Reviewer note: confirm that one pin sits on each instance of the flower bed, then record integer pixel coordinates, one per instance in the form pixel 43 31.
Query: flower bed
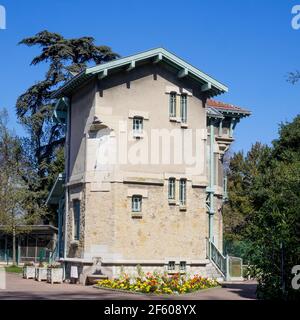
pixel 159 283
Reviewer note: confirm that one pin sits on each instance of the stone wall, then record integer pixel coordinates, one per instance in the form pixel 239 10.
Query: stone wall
pixel 113 232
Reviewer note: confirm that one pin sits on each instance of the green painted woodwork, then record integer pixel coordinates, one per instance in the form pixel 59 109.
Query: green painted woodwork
pixel 154 55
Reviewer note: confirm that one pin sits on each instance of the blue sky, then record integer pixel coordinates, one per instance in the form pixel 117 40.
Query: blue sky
pixel 248 45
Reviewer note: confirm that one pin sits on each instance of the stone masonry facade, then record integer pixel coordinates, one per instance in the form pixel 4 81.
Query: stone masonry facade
pixel 162 232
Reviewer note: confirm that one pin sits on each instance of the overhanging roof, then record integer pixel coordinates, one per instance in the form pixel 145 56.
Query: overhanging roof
pixel 213 113
pixel 159 55
pixel 227 109
pixel 33 228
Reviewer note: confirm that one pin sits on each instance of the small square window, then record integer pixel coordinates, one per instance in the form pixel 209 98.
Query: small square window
pixel 171 265
pixel 136 203
pixel 182 265
pixel 137 125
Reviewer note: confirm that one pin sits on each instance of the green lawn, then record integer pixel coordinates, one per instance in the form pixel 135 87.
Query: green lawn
pixel 14 269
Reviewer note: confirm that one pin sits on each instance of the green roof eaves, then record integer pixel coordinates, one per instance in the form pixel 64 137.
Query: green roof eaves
pixel 164 54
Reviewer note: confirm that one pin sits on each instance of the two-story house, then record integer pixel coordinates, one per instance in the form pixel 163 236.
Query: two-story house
pixel 143 183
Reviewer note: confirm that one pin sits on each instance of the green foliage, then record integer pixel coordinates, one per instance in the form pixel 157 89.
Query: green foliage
pixel 65 58
pixel 265 191
pixel 13 269
pixel 18 208
pixel 241 173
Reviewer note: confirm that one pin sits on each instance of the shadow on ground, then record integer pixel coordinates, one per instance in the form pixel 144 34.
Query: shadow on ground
pixel 246 290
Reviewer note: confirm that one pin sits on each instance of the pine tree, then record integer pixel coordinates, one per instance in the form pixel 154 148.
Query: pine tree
pixel 65 58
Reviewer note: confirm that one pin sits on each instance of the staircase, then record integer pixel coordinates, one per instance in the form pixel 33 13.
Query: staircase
pixel 218 261
pixel 212 272
pixel 229 268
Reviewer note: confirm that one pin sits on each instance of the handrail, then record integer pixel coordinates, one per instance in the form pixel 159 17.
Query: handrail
pixel 53 255
pixel 217 257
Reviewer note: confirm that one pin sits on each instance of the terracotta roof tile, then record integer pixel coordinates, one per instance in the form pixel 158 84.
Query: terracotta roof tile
pixel 225 106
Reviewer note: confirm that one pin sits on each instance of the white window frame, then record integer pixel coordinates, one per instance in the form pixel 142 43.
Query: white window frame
pixel 137 125
pixel 182 265
pixel 136 203
pixel 171 266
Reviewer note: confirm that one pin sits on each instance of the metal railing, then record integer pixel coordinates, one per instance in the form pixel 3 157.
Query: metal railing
pixel 235 268
pixel 214 254
pixel 53 255
pixel 230 267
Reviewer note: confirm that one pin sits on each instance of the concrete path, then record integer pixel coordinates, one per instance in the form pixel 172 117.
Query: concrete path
pixel 19 288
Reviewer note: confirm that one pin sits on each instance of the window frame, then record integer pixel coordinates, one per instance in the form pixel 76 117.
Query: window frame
pixel 182 192
pixel 171 188
pixel 137 125
pixel 171 265
pixel 182 266
pixel 183 107
pixel 76 219
pixel 138 208
pixel 172 104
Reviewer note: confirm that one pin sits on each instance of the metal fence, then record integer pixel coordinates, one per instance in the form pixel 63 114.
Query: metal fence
pixel 234 268
pixel 26 254
pixel 231 267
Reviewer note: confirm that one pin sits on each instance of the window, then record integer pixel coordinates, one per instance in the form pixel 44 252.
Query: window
pixel 137 125
pixel 171 189
pixel 136 203
pixel 182 265
pixel 183 108
pixel 76 212
pixel 171 265
pixel 172 104
pixel 182 192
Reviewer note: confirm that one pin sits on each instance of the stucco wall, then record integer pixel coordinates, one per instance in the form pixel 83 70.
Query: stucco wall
pixel 145 90
pixel 81 114
pixel 107 226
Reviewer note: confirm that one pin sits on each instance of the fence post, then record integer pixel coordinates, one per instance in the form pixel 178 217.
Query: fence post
pixel 227 268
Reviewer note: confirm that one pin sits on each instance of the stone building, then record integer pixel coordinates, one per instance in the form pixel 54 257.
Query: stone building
pixel 143 183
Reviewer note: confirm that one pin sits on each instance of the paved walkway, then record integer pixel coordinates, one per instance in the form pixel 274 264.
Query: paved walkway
pixel 19 288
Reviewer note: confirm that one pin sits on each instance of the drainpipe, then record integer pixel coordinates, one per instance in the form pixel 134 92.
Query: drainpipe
pixel 67 166
pixel 211 184
pixel 60 217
